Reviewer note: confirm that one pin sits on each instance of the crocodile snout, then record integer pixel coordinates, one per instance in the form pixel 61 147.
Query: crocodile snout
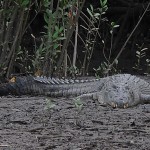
pixel 118 102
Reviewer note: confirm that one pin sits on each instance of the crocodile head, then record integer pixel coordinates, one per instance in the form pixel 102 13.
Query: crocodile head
pixel 118 95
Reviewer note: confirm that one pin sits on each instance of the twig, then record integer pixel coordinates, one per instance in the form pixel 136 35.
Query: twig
pixel 4 145
pixel 111 65
pixel 75 46
pixel 70 30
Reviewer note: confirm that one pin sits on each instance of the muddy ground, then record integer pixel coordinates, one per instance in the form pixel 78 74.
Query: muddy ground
pixel 41 123
pixel 36 123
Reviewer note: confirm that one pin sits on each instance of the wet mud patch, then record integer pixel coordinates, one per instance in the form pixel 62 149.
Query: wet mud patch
pixel 35 123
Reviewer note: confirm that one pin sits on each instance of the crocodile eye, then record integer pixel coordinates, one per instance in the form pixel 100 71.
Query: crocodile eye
pixel 131 93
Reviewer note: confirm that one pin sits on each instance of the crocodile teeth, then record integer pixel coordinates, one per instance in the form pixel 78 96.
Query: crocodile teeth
pixel 114 105
pixel 125 105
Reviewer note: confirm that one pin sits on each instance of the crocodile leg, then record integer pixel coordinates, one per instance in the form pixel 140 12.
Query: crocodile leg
pixel 93 95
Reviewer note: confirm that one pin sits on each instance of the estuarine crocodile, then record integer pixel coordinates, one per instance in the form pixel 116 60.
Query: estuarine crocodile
pixel 121 90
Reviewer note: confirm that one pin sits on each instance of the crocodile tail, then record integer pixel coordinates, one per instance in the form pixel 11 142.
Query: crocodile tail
pixel 22 85
pixel 4 89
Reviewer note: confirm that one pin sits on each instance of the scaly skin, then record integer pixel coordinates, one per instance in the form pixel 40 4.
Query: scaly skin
pixel 122 90
pixel 49 87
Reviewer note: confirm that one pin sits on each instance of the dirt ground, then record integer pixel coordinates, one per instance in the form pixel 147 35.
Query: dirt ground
pixel 42 123
pixel 38 123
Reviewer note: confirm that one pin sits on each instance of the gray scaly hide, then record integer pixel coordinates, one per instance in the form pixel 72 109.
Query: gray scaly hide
pixel 55 87
pixel 122 90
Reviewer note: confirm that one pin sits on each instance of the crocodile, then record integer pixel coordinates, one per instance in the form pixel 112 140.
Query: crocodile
pixel 121 90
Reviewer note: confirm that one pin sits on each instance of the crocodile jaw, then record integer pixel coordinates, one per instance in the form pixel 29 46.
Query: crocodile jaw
pixel 119 96
pixel 145 98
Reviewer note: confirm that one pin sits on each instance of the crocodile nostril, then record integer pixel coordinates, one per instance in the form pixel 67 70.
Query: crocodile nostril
pixel 121 99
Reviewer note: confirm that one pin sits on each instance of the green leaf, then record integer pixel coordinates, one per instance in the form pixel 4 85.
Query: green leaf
pixel 137 52
pixel 78 104
pixel 144 49
pixel 25 3
pixel 55 35
pixel 46 18
pixel 49 105
pixel 112 24
pixel 97 14
pixel 104 3
pixel 55 46
pixel 61 29
pixel 1 10
pixel 46 27
pixel 46 3
pixel 116 26
pixel 101 2
pixel 56 28
pixel 91 8
pixel 105 8
pixel 89 12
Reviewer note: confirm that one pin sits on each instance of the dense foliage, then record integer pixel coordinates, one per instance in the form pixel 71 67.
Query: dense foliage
pixel 67 37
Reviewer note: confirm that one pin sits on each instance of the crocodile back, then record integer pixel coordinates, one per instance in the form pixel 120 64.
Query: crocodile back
pixel 66 87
